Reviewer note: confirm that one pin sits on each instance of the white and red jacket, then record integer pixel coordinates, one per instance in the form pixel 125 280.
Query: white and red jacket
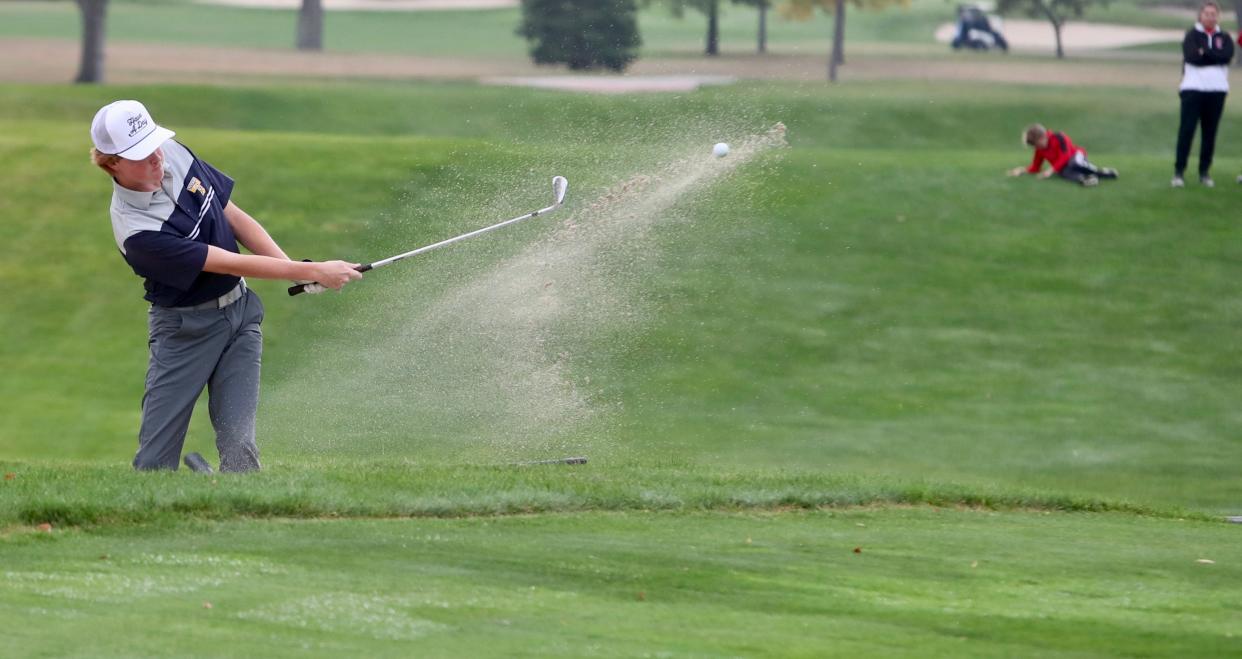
pixel 1205 60
pixel 1058 153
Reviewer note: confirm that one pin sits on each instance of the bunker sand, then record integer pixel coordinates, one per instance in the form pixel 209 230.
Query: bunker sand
pixel 1076 36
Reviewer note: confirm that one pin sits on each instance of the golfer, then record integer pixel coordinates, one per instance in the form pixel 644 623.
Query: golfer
pixel 1063 156
pixel 1206 52
pixel 175 226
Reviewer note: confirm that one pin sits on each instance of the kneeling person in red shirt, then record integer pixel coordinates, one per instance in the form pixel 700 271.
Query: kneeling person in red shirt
pixel 1066 158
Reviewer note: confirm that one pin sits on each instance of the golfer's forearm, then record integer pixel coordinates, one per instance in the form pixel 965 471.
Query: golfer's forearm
pixel 224 262
pixel 251 234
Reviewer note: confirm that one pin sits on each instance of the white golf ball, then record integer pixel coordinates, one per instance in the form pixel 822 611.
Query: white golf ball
pixel 720 150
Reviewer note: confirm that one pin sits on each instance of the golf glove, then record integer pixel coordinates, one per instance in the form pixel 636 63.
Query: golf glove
pixel 310 286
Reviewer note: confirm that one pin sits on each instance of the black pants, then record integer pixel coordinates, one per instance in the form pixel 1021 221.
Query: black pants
pixel 1198 107
pixel 1079 168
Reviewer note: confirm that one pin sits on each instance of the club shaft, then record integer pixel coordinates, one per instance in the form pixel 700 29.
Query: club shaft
pixel 559 187
pixel 464 236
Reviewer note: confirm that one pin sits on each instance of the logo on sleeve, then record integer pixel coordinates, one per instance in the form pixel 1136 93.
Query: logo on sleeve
pixel 196 186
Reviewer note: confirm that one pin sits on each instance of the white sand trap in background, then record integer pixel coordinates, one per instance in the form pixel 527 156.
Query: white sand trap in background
pixel 1038 35
pixel 370 5
pixel 613 84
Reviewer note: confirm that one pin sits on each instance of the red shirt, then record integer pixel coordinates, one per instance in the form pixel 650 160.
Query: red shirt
pixel 1058 152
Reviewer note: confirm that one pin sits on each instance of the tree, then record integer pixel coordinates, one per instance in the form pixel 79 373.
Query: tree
pixel 803 10
pixel 763 6
pixel 583 34
pixel 1055 11
pixel 90 70
pixel 709 8
pixel 310 25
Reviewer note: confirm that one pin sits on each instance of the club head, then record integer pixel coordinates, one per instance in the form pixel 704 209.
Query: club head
pixel 197 463
pixel 559 187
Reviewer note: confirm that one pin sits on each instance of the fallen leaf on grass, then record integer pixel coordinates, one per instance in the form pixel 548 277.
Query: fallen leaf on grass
pixel 10 476
pixel 45 527
pixel 206 605
pixel 858 550
pixel 642 596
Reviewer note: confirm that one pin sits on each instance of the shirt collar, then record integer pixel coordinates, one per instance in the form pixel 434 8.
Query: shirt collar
pixel 1199 27
pixel 139 200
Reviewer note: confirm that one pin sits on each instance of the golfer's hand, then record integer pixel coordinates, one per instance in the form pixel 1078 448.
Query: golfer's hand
pixel 335 274
pixel 1017 171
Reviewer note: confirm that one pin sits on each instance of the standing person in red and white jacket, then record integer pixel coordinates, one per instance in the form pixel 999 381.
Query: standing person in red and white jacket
pixel 1063 156
pixel 1206 52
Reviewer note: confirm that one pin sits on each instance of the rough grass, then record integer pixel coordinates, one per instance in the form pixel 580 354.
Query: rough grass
pixel 877 300
pixel 98 495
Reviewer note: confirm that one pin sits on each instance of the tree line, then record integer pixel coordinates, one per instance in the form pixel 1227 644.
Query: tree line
pixel 603 34
pixel 581 34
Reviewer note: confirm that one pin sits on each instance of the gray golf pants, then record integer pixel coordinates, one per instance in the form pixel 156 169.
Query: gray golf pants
pixel 220 349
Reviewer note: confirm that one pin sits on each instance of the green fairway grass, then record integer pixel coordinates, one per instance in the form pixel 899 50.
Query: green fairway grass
pixel 908 582
pixel 492 33
pixel 877 299
pixel 1017 398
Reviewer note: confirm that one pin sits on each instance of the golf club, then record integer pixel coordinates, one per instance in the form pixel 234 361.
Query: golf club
pixel 197 463
pixel 559 187
pixel 579 460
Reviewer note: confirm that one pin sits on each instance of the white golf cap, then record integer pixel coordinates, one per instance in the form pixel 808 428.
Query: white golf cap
pixel 126 129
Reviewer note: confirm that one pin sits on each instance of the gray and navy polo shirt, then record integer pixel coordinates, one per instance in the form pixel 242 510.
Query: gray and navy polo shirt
pixel 164 235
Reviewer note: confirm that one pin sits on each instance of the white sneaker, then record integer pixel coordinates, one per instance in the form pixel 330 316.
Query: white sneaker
pixel 1240 179
pixel 1179 182
pixel 1090 182
pixel 1112 173
pixel 1206 181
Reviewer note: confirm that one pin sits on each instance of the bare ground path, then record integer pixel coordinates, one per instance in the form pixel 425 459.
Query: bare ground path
pixel 55 61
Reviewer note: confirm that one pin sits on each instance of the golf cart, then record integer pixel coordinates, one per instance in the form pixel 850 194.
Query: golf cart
pixel 978 31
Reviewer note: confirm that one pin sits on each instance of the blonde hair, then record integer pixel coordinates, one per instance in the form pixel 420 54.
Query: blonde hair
pixel 1033 134
pixel 103 160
